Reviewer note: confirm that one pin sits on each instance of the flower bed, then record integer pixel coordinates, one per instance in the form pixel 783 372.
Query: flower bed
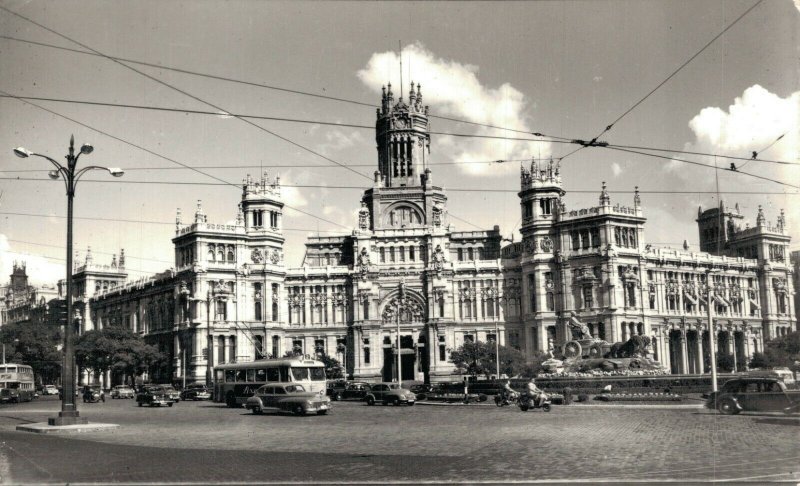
pixel 639 397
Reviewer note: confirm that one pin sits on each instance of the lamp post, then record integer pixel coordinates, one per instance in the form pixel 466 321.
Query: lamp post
pixel 399 362
pixel 69 411
pixel 712 354
pixel 209 341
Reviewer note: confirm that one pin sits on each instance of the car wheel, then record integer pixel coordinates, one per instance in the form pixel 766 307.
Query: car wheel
pixel 298 410
pixel 546 407
pixel 230 400
pixel 727 407
pixel 396 402
pixel 170 404
pixel 322 412
pixel 139 403
pixel 370 401
pixel 410 404
pixel 524 408
pixel 257 411
pixel 337 396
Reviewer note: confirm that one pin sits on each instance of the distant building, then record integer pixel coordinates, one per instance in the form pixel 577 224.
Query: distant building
pixel 230 296
pixel 22 302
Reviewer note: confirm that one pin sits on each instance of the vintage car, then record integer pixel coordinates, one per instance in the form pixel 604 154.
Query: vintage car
pixel 153 396
pixel 122 391
pixel 356 390
pixel 93 394
pixel 387 393
pixel 286 397
pixel 196 391
pixel 172 393
pixel 335 389
pixel 753 394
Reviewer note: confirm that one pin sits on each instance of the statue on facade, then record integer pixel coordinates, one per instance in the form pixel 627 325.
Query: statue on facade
pixel 363 217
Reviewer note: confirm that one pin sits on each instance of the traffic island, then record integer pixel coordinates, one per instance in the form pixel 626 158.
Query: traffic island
pixel 45 428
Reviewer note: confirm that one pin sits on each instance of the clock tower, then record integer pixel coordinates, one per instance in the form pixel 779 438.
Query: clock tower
pixel 401 132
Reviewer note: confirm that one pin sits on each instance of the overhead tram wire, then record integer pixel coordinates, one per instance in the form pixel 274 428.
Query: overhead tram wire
pixel 127 255
pixel 706 165
pixel 164 157
pixel 140 221
pixel 262 85
pixel 756 153
pixel 184 92
pixel 449 189
pixel 369 127
pixel 662 83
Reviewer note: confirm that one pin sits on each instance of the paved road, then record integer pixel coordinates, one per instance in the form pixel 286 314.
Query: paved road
pixel 206 442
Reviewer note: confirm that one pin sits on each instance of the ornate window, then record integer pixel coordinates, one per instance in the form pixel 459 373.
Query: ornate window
pixel 403 216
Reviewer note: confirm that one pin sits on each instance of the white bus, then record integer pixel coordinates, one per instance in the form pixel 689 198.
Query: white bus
pixel 235 383
pixel 16 383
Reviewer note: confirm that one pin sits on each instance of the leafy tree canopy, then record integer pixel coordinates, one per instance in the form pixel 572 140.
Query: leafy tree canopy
pixel 780 352
pixel 479 358
pixel 35 344
pixel 116 349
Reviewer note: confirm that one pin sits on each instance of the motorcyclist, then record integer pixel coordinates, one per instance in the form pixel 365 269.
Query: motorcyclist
pixel 534 392
pixel 508 392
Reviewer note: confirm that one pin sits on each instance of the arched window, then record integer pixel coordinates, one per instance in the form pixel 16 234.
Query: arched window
pixel 231 255
pixel 257 310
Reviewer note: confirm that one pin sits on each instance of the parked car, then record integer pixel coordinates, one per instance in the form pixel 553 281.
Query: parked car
pixel 196 391
pixel 387 393
pixel 421 391
pixel 153 395
pixel 335 389
pixel 93 394
pixel 752 394
pixel 49 390
pixel 356 390
pixel 287 398
pixel 122 391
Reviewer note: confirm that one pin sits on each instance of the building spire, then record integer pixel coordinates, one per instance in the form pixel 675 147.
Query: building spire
pixel 605 199
pixel 400 52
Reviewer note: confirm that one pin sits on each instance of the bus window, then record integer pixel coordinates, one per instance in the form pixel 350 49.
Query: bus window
pixel 220 376
pixel 230 376
pixel 317 374
pixel 241 376
pixel 273 375
pixel 300 374
pixel 251 375
pixel 285 374
pixel 261 375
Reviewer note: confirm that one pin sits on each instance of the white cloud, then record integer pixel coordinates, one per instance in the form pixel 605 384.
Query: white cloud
pixel 752 123
pixel 616 169
pixel 40 270
pixel 453 89
pixel 597 79
pixel 292 196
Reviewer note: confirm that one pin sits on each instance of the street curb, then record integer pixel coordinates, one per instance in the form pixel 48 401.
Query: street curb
pixel 586 407
pixel 45 428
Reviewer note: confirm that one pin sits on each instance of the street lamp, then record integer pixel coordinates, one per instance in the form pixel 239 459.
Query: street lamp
pixel 69 410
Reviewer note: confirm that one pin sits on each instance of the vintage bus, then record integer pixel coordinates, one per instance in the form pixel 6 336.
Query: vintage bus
pixel 16 383
pixel 235 383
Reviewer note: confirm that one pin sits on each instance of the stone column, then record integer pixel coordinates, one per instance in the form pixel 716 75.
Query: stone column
pixel 307 307
pixel 177 366
pixel 684 353
pixel 699 353
pixel 529 340
pixel 328 306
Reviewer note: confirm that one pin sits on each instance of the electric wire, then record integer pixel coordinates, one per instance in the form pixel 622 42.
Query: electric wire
pixel 756 153
pixel 662 83
pixel 164 157
pixel 449 189
pixel 262 85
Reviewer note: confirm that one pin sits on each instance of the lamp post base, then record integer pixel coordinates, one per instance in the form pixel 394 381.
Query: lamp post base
pixel 67 418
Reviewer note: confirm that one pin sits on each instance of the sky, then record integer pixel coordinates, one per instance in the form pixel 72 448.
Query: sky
pixel 565 69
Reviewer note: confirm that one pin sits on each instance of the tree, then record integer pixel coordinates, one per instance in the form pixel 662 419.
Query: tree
pixel 116 349
pixel 780 352
pixel 478 358
pixel 34 343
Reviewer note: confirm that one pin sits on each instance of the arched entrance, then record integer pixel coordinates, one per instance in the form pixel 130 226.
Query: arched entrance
pixel 403 313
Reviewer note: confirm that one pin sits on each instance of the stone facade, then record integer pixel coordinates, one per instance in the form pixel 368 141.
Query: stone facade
pixel 22 302
pixel 405 271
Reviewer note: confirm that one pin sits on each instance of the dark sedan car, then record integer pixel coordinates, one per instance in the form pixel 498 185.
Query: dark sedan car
pixel 753 395
pixel 153 396
pixel 196 391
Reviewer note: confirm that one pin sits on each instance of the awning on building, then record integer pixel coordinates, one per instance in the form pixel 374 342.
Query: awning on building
pixel 721 301
pixel 690 298
pixel 754 304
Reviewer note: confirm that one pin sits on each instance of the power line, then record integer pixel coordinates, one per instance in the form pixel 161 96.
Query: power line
pixel 662 83
pixel 705 165
pixel 262 85
pixel 93 251
pixel 369 127
pixel 64 260
pixel 168 159
pixel 449 189
pixel 756 153
pixel 140 221
pixel 183 92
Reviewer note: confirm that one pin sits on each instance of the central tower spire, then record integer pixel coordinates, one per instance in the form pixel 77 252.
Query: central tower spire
pixel 403 138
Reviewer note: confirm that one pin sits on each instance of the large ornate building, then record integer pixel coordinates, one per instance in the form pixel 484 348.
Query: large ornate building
pixel 404 271
pixel 22 302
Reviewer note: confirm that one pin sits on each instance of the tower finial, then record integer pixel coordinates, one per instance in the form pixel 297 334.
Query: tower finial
pixel 605 199
pixel 400 52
